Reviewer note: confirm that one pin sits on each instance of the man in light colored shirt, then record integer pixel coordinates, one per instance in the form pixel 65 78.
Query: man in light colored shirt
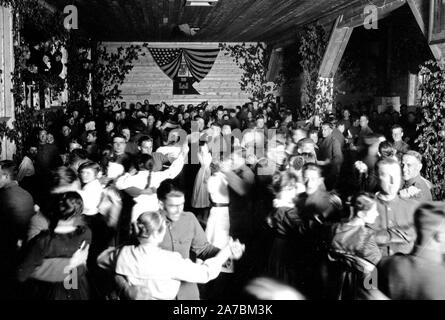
pixel 184 235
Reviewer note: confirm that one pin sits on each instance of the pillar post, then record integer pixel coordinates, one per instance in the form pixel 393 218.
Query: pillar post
pixel 338 41
pixel 7 68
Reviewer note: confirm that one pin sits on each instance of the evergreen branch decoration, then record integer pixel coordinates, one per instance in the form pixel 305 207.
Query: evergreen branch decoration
pixel 254 61
pixel 108 70
pixel 431 129
pixel 313 42
pixel 111 69
pixel 30 15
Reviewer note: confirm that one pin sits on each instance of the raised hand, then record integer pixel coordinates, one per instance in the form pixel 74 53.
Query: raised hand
pixel 236 248
pixel 268 289
pixel 361 166
pixel 79 257
pixel 138 293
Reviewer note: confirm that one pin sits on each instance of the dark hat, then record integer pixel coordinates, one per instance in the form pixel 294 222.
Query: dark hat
pixel 138 126
pixel 430 216
pixel 331 117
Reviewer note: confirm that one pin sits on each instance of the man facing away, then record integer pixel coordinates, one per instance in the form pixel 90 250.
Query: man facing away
pixel 16 210
pixel 330 149
pixel 419 275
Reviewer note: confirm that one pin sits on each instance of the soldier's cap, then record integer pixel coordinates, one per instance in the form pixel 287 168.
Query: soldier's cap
pixel 430 216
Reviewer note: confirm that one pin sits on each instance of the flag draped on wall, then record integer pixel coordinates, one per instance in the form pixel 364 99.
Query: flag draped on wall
pixel 168 60
pixel 199 63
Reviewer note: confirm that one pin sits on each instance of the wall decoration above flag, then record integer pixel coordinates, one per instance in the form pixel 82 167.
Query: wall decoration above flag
pixel 198 63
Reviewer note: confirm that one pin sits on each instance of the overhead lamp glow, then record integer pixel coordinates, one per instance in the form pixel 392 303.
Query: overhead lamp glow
pixel 201 3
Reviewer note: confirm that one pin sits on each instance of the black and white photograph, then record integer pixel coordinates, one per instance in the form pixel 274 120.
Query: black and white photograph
pixel 215 151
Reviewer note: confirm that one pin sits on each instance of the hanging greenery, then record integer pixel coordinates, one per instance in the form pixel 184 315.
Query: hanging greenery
pixel 111 68
pixel 78 69
pixel 253 59
pixel 30 20
pixel 432 127
pixel 313 41
pixel 99 73
pixel 37 27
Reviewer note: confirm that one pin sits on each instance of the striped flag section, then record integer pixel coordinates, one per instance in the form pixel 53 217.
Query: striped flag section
pixel 168 60
pixel 198 61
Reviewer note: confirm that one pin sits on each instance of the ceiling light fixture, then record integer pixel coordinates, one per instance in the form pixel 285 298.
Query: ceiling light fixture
pixel 201 3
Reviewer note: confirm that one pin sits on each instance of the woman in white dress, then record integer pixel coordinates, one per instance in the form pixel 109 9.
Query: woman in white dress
pixel 218 224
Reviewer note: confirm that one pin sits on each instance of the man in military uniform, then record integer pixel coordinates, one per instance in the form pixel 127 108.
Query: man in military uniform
pixel 421 274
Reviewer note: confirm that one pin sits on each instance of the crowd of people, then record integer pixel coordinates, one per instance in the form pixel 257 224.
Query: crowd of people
pixel 142 201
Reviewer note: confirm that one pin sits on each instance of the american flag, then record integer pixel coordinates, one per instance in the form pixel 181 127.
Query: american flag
pixel 199 61
pixel 168 60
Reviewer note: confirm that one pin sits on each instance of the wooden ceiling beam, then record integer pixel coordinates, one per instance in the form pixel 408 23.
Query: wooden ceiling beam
pixel 356 17
pixel 229 20
pixel 338 41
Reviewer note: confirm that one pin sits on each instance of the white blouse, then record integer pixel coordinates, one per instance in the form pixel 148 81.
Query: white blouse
pixel 158 270
pixel 91 194
pixel 148 202
pixel 218 188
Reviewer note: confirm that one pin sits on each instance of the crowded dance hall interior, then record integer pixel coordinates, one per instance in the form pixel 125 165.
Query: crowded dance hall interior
pixel 222 150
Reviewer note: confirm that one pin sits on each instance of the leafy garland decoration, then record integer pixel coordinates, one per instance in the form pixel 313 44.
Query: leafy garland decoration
pixel 30 14
pixel 253 59
pixel 431 129
pixel 313 42
pixel 109 69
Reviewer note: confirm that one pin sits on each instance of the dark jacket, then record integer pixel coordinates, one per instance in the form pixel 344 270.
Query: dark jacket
pixel 240 207
pixel 352 255
pixel 49 245
pixel 16 210
pixel 330 148
pixel 356 240
pixel 339 136
pixel 409 277
pixel 401 147
pixel 363 133
pixel 395 225
pixel 47 158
